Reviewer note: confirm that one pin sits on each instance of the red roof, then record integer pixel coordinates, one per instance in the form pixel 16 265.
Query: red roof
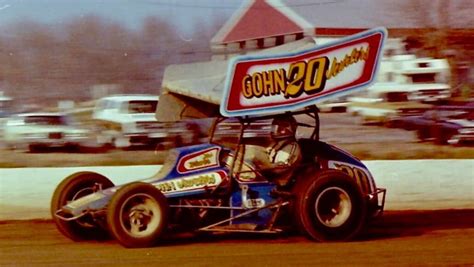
pixel 260 19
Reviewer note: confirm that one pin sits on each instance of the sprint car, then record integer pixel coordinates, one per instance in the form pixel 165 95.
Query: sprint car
pixel 331 195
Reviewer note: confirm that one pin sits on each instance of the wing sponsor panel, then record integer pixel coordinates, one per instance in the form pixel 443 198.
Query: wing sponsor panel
pixel 262 84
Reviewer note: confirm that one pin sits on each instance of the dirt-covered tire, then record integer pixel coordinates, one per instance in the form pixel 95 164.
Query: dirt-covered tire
pixel 329 207
pixel 137 215
pixel 73 187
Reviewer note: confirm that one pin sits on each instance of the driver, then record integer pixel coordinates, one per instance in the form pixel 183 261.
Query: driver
pixel 276 161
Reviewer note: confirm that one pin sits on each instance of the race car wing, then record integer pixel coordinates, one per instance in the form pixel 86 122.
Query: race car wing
pixel 195 90
pixel 280 79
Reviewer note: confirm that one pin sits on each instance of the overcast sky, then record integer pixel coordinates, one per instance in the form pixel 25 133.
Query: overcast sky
pixel 182 13
pixel 185 13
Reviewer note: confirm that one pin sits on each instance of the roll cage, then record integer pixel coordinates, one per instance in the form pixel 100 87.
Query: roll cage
pixel 246 121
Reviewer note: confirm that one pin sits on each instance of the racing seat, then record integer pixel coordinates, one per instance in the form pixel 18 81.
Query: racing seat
pixel 244 168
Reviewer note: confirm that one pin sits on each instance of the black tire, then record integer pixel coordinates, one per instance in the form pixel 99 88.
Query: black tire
pixel 423 134
pixel 36 148
pixel 391 123
pixel 442 136
pixel 72 187
pixel 312 210
pixel 441 139
pixel 137 215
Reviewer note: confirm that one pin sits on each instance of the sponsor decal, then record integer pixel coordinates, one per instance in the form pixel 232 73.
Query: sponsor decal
pixel 204 181
pixel 361 176
pixel 199 160
pixel 263 84
pixel 253 203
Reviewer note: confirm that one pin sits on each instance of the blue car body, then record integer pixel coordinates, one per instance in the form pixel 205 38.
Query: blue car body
pixel 201 171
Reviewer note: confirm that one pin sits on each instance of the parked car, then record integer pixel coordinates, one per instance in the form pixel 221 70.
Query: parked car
pixel 444 125
pixel 335 105
pixel 5 105
pixel 129 120
pixel 181 133
pixel 404 114
pixel 229 130
pixel 36 131
pixel 189 132
pixel 384 108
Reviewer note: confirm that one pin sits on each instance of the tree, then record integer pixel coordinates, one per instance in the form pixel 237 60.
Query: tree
pixel 448 29
pixel 47 63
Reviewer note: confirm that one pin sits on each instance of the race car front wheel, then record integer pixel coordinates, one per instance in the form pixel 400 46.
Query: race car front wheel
pixel 71 188
pixel 329 206
pixel 138 215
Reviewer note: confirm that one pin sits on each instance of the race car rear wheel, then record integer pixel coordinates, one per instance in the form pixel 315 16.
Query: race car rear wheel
pixel 73 187
pixel 138 215
pixel 329 207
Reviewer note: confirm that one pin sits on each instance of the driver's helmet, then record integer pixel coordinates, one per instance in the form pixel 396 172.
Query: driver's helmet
pixel 283 127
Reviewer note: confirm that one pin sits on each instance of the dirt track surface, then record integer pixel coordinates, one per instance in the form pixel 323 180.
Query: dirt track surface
pixel 398 238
